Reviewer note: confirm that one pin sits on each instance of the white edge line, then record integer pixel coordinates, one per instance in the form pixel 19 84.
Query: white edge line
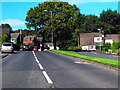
pixel 47 77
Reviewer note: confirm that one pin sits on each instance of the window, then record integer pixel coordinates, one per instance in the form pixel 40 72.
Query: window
pixel 97 39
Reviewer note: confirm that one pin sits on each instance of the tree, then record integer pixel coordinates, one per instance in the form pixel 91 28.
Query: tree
pixel 62 23
pixel 112 20
pixel 4 38
pixel 6 26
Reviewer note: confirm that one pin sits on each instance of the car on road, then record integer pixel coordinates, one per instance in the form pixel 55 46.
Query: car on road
pixel 26 47
pixel 35 48
pixel 7 47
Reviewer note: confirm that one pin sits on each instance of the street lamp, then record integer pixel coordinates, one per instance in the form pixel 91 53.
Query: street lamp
pixel 51 25
pixel 99 37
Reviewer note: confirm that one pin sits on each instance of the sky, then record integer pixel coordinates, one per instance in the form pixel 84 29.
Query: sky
pixel 14 12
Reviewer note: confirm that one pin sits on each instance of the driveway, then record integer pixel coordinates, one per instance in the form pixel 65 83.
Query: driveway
pixel 95 54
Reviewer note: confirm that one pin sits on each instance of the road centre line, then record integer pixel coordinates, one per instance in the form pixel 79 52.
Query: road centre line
pixel 44 72
pixel 40 66
pixel 47 77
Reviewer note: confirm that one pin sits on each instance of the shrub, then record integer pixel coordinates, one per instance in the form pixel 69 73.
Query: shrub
pixel 115 46
pixel 80 47
pixel 105 48
pixel 117 52
pixel 75 48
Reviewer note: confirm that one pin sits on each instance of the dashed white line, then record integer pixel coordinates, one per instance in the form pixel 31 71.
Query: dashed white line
pixel 47 77
pixel 41 67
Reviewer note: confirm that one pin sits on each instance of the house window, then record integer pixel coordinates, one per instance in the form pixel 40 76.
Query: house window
pixel 91 47
pixel 97 39
pixel 12 39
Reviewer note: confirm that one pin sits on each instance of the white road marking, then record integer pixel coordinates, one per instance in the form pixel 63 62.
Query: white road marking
pixel 47 77
pixel 77 62
pixel 40 66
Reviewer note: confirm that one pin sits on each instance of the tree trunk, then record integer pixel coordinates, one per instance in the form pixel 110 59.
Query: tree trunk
pixel 55 43
pixel 43 42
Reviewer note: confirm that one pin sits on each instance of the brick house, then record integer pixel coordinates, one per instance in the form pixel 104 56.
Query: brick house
pixel 88 41
pixel 110 38
pixel 29 40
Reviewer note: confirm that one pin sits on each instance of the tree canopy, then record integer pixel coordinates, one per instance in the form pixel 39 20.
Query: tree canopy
pixel 66 22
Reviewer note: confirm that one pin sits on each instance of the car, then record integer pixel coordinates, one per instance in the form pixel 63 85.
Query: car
pixel 35 48
pixel 26 47
pixel 7 47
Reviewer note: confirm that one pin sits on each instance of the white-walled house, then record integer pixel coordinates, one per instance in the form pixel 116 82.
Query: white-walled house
pixel 88 41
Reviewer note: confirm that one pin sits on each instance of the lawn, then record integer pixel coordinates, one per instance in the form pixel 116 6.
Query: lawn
pixel 113 63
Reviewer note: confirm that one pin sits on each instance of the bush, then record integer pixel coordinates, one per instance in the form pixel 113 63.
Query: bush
pixel 115 46
pixel 75 48
pixel 117 52
pixel 105 48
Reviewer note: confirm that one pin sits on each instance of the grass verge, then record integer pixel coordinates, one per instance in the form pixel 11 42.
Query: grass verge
pixel 113 63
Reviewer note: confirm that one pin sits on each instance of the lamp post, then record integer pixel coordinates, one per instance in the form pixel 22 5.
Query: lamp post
pixel 51 26
pixel 99 37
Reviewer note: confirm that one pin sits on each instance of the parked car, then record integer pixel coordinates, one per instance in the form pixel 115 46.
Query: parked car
pixel 26 47
pixel 7 47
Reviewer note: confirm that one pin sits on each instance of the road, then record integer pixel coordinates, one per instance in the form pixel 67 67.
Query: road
pixel 95 54
pixel 27 69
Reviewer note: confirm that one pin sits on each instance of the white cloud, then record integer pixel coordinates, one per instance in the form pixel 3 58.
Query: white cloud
pixel 13 22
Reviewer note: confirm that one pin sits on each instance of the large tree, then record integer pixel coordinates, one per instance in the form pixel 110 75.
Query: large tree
pixel 111 21
pixel 60 18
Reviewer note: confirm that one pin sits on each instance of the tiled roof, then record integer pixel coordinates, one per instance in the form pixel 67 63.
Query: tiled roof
pixel 14 35
pixel 31 38
pixel 88 38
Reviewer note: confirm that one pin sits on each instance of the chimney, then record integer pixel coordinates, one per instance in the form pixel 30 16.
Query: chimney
pixel 28 38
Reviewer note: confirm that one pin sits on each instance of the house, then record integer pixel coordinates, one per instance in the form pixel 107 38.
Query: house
pixel 39 42
pixel 110 38
pixel 88 41
pixel 29 40
pixel 15 38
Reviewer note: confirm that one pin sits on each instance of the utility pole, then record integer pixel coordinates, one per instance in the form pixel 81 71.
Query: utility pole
pixel 99 37
pixel 51 26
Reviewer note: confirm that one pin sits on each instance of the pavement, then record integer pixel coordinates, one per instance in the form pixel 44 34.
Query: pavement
pixel 45 69
pixel 100 55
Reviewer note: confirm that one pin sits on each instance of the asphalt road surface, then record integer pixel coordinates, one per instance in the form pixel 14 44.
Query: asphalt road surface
pixel 94 54
pixel 27 69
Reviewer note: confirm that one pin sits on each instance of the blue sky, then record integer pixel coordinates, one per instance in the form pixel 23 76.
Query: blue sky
pixel 14 11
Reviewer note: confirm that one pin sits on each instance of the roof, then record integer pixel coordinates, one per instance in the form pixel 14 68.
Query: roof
pixel 115 37
pixel 14 35
pixel 31 38
pixel 4 30
pixel 88 38
pixel 39 38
